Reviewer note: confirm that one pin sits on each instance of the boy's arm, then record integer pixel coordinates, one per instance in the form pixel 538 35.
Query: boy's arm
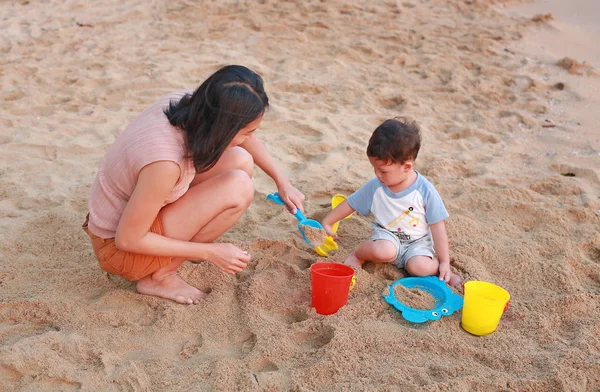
pixel 338 213
pixel 440 241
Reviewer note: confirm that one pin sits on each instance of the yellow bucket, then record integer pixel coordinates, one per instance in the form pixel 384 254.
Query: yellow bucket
pixel 484 304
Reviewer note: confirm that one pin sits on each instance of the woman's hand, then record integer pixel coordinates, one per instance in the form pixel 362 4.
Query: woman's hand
pixel 291 196
pixel 228 258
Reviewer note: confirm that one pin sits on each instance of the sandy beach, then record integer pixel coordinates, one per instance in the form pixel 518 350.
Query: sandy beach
pixel 507 95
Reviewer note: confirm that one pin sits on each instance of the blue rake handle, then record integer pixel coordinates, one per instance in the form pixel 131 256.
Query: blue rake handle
pixel 302 220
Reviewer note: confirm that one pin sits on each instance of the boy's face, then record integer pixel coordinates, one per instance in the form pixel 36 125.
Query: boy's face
pixel 391 174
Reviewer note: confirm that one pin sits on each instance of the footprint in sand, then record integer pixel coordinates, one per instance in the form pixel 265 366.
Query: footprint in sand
pixel 436 169
pixel 314 337
pixel 9 376
pixel 302 88
pixel 119 308
pixel 267 375
pixel 248 344
pixel 41 111
pixel 481 136
pixel 232 347
pixel 6 124
pixel 262 364
pixel 61 350
pixel 307 132
pixel 289 316
pixel 555 187
pixel 572 171
pixel 395 102
pixel 43 152
pixel 12 380
pixel 303 261
pixel 238 348
pixel 12 332
pixel 12 95
pixel 191 348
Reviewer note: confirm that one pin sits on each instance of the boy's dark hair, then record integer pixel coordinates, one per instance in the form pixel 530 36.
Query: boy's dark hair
pixel 226 102
pixel 397 140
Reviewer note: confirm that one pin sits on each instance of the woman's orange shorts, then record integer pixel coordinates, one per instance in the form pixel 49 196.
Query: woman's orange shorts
pixel 129 265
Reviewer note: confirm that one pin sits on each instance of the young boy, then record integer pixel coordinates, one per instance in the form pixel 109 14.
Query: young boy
pixel 409 212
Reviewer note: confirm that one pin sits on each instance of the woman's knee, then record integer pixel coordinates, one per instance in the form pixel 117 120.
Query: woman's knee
pixel 240 186
pixel 242 160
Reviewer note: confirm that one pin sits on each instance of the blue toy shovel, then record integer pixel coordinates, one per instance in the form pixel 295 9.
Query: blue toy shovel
pixel 302 221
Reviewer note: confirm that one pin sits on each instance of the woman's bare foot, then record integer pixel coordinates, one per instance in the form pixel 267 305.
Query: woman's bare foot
pixel 353 261
pixel 170 286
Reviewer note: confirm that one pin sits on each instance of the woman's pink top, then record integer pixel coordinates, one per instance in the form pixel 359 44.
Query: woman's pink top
pixel 147 139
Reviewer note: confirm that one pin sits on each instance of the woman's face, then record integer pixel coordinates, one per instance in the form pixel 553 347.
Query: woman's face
pixel 245 132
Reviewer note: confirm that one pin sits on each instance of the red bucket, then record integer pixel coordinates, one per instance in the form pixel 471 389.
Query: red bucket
pixel 330 286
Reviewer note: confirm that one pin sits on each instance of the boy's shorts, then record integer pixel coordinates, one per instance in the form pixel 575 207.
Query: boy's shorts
pixel 129 265
pixel 404 249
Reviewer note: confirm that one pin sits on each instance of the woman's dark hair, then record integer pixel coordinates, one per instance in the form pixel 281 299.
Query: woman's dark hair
pixel 396 140
pixel 226 102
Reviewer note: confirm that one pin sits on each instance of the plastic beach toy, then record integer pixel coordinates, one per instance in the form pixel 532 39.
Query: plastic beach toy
pixel 302 220
pixel 330 244
pixel 484 305
pixel 446 302
pixel 330 284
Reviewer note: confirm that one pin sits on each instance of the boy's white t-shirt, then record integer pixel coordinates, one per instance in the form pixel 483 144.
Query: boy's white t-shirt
pixel 407 213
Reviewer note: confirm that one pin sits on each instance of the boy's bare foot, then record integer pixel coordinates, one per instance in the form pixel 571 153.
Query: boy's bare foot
pixel 171 287
pixel 353 261
pixel 455 281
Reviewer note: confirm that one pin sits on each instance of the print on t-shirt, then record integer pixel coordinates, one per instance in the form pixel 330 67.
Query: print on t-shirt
pixel 407 214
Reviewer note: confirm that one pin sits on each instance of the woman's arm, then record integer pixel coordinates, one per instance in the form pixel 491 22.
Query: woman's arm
pixel 290 195
pixel 263 159
pixel 154 184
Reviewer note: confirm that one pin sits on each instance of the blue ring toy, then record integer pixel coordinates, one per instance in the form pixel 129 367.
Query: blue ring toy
pixel 446 302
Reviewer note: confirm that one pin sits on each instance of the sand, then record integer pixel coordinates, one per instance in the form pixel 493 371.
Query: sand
pixel 315 236
pixel 480 77
pixel 414 297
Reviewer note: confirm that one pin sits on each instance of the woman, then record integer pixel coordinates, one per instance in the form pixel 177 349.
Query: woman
pixel 177 178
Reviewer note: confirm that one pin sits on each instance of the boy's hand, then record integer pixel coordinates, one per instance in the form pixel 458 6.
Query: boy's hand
pixel 445 273
pixel 338 213
pixel 329 231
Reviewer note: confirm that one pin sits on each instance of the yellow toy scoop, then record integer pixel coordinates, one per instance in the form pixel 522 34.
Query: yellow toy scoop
pixel 330 243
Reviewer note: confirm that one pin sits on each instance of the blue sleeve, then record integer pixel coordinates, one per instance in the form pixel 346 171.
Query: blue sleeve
pixel 435 211
pixel 362 199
